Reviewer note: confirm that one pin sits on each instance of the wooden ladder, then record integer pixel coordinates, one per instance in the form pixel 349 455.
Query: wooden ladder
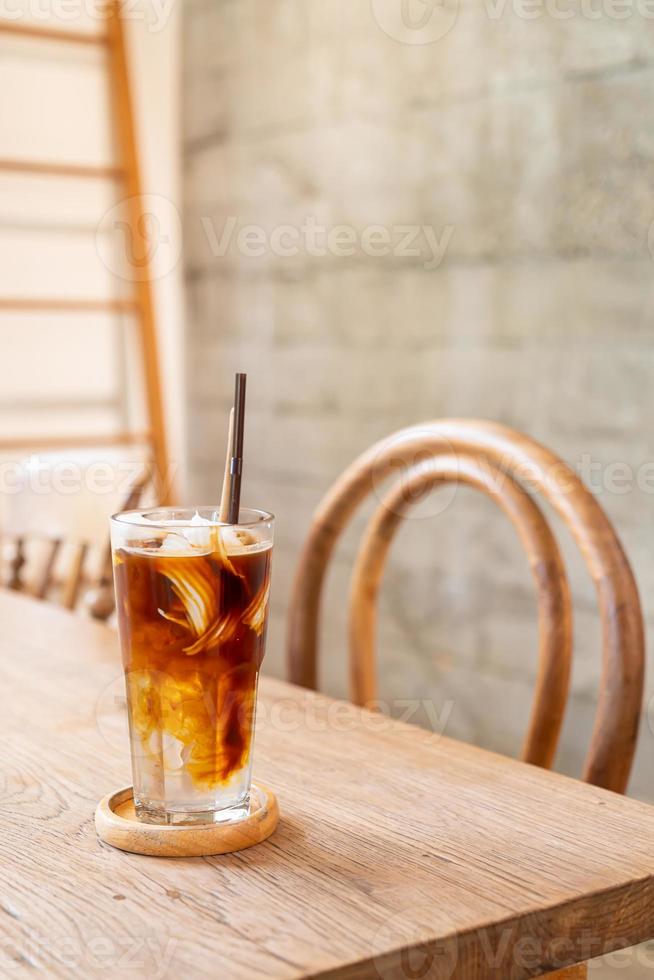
pixel 126 172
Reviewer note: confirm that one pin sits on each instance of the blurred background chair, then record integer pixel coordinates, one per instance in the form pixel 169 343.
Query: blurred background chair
pixel 498 461
pixel 55 544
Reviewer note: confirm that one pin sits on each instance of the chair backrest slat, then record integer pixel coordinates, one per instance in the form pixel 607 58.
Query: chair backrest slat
pixel 74 577
pixel 45 579
pixel 16 565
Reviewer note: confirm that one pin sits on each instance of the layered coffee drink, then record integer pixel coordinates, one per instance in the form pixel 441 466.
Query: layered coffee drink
pixel 192 601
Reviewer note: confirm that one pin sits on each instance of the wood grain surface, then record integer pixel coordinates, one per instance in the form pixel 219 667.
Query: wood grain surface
pixel 399 853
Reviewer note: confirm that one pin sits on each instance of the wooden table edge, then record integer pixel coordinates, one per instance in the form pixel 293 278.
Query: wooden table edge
pixel 467 954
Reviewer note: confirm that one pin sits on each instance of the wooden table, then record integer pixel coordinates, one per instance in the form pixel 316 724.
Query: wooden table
pixel 391 839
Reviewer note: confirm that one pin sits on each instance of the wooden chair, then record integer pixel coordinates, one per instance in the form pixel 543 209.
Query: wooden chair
pixel 496 460
pixel 100 599
pixel 64 571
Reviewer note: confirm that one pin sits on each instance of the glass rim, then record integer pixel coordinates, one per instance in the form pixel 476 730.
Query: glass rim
pixel 262 516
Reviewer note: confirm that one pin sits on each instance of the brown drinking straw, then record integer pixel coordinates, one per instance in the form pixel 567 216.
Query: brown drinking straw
pixel 236 465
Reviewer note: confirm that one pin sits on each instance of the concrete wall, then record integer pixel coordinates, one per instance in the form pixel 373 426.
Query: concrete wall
pixel 521 139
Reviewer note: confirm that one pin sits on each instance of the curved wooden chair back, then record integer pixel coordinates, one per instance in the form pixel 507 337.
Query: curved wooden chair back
pixel 498 461
pixel 63 571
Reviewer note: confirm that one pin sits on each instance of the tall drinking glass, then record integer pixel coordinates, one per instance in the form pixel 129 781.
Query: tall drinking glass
pixel 192 605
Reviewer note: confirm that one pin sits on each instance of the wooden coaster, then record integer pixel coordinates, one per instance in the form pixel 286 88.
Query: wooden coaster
pixel 117 824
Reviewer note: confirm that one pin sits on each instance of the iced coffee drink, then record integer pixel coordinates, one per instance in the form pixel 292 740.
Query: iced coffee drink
pixel 192 602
